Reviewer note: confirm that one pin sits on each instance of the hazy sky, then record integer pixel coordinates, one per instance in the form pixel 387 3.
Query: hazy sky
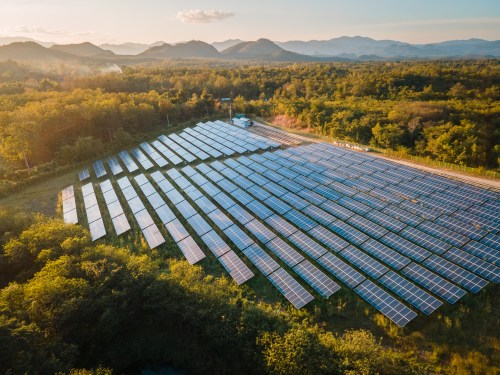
pixel 100 21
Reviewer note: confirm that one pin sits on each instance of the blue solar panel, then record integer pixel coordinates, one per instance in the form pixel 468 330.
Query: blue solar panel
pixel 328 238
pixel 455 273
pixel 317 279
pixel 363 261
pixel 341 270
pixel 215 243
pixel 236 268
pixel 384 253
pixel 260 231
pixel 474 264
pixel 284 251
pixel 385 303
pixel 483 251
pixel 260 259
pixel 429 242
pixel 410 292
pixel 238 237
pixel 307 245
pixel 240 214
pixel 290 288
pixel 220 219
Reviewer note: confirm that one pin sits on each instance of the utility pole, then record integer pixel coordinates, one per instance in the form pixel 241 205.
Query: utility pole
pixel 25 159
pixel 230 101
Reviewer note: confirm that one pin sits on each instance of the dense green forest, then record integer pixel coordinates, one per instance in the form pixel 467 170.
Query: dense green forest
pixel 67 303
pixel 446 110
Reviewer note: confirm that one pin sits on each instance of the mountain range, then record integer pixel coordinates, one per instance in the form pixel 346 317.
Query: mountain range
pixel 337 49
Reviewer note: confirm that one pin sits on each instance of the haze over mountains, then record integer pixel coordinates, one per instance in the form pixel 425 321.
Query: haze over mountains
pixel 337 49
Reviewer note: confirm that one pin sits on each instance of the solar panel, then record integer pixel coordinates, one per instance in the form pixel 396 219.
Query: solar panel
pixel 364 262
pixel 319 214
pixel 236 268
pixel 121 224
pixel 328 238
pixel 238 237
pixel 153 236
pixel 90 200
pixel 87 189
pixel 200 226
pixel 99 168
pixel 348 232
pixel 143 218
pixel 336 210
pixel 307 245
pixel 429 242
pixel 455 273
pixel 260 259
pixel 193 193
pixel 69 204
pixel 136 204
pixel 290 288
pixel 176 230
pixel 83 175
pixel 220 219
pixel 367 226
pixel 474 264
pixel 384 253
pixel 436 284
pixel 385 303
pixel 341 270
pixel 259 210
pixel 300 220
pixel 492 240
pixel 129 193
pixel 115 166
pixel 483 251
pixel 284 251
pixel 317 279
pixel 280 225
pixel 185 209
pixel 191 250
pixel 240 214
pixel 93 213
pixel 205 204
pixel 215 243
pixel 260 231
pixel 277 205
pixel 123 182
pixel 410 292
pixel 242 197
pixel 224 200
pixel 97 229
pixel 70 217
pixel 115 209
pixel 445 234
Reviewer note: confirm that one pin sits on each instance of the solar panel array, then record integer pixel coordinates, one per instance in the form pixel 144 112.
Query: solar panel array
pixel 401 238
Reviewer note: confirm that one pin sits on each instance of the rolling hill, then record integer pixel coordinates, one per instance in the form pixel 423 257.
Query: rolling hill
pixel 192 49
pixel 83 49
pixel 262 49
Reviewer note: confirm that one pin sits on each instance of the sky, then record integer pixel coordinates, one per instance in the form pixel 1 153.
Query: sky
pixel 147 21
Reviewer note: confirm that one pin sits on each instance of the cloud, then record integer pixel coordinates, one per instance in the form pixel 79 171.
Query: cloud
pixel 39 30
pixel 202 16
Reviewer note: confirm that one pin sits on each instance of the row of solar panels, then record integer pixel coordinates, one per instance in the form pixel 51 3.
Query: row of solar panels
pixel 213 139
pixel 294 234
pixel 449 267
pixel 346 201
